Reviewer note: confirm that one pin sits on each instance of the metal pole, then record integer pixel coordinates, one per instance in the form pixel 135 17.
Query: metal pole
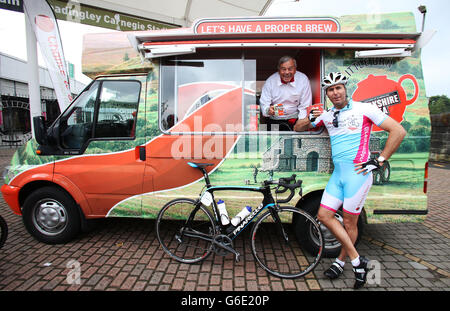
pixel 423 21
pixel 34 93
pixel 423 9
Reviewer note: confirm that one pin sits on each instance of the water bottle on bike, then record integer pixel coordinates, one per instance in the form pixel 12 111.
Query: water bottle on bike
pixel 241 216
pixel 224 218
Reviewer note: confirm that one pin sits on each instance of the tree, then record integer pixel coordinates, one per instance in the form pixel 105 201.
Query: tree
pixel 407 146
pixel 417 72
pixel 387 24
pixel 418 134
pixel 401 67
pixel 419 131
pixel 422 145
pixel 439 104
pixel 423 121
pixel 406 125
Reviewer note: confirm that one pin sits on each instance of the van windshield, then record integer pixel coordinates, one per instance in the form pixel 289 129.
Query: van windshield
pixel 105 110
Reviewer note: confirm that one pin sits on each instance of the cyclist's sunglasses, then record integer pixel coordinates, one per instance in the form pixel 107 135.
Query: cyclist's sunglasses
pixel 335 120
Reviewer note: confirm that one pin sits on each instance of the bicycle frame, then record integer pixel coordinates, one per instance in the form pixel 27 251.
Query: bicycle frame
pixel 268 202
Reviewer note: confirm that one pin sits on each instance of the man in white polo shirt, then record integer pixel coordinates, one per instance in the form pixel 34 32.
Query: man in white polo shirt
pixel 286 95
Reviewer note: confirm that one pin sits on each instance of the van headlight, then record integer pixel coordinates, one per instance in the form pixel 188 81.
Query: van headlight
pixel 8 174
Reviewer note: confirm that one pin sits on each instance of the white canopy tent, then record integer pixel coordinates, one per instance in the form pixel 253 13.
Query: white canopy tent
pixel 183 12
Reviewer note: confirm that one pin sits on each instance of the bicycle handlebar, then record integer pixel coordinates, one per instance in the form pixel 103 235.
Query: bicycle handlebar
pixel 286 184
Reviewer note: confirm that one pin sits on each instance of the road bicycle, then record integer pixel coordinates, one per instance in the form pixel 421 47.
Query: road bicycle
pixel 3 231
pixel 190 230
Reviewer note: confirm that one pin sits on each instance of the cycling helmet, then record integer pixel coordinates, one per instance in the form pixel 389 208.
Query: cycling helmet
pixel 334 78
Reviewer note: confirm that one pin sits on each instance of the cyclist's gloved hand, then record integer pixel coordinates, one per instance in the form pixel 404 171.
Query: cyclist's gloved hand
pixel 367 167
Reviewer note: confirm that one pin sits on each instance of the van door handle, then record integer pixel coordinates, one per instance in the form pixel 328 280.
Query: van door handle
pixel 140 153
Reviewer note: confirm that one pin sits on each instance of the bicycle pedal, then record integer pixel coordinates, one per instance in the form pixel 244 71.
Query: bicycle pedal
pixel 238 257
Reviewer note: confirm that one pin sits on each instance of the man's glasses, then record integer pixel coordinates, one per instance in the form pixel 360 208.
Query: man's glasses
pixel 335 120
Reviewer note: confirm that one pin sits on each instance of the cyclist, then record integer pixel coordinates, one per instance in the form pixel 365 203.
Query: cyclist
pixel 349 124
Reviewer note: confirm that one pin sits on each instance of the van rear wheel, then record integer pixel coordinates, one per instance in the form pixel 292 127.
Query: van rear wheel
pixel 51 216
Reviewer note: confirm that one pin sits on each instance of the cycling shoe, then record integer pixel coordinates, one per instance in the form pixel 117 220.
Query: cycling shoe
pixel 361 272
pixel 334 271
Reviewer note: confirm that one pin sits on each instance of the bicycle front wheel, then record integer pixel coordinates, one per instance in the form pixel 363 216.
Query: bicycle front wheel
pixel 185 230
pixel 275 246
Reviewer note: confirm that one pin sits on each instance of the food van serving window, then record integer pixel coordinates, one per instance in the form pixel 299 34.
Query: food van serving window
pixel 216 78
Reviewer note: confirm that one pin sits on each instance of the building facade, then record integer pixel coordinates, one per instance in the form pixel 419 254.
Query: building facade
pixel 15 121
pixel 292 153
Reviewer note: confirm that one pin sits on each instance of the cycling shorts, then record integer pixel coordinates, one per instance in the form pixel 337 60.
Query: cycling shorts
pixel 346 188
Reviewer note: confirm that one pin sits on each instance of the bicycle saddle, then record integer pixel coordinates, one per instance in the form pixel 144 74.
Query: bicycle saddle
pixel 199 165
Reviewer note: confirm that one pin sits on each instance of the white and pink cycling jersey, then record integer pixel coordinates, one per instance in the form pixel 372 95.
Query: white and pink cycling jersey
pixel 350 140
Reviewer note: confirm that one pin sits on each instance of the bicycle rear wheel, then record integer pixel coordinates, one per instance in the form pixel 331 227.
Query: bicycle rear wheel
pixel 276 248
pixel 185 230
pixel 3 231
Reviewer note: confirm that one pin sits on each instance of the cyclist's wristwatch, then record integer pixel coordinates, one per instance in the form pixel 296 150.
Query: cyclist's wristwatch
pixel 381 159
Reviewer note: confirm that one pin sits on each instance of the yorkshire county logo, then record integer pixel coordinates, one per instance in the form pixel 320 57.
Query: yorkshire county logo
pixel 389 95
pixel 384 101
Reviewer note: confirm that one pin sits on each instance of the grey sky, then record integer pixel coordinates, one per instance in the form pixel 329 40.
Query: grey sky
pixel 435 58
pixel 435 55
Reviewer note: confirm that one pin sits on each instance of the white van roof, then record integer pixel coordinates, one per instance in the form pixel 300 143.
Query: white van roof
pixel 186 40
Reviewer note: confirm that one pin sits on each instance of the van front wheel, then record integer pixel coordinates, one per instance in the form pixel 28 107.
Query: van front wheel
pixel 51 216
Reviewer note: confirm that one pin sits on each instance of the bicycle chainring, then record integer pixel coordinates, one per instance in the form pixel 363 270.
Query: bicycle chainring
pixel 222 240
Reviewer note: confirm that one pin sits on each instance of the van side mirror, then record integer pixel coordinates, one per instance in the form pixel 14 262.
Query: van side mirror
pixel 40 132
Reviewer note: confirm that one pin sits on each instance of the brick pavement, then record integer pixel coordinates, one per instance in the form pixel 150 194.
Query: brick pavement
pixel 124 254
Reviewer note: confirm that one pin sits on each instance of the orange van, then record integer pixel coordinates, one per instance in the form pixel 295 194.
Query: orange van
pixel 160 99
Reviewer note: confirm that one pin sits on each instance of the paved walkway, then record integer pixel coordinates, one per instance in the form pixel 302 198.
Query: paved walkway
pixel 124 254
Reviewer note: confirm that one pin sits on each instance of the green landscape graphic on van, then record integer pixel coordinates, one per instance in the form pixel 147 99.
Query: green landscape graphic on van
pixel 310 158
